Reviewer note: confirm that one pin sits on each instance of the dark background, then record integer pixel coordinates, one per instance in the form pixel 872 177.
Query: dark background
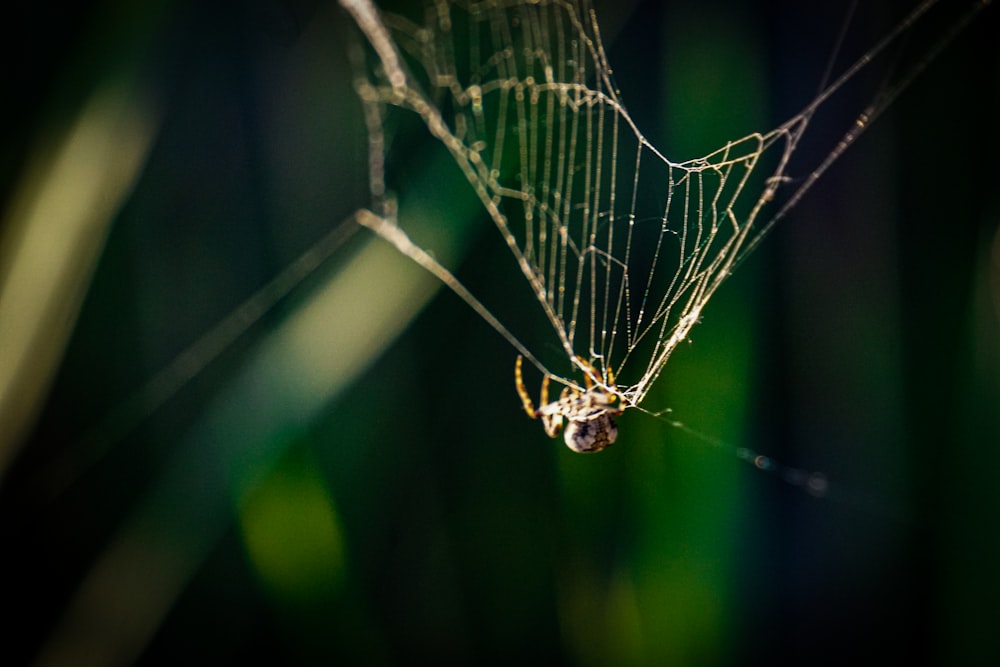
pixel 381 497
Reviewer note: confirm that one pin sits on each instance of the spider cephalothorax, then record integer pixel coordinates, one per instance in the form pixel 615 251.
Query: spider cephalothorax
pixel 590 413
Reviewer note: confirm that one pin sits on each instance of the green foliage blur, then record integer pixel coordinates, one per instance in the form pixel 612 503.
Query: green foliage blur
pixel 400 508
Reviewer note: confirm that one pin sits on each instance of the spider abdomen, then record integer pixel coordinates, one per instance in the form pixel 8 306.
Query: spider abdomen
pixel 591 435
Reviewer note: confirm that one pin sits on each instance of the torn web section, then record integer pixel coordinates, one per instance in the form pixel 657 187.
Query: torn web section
pixel 542 122
pixel 506 90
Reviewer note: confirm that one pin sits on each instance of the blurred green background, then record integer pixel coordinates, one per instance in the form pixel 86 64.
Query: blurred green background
pixel 352 479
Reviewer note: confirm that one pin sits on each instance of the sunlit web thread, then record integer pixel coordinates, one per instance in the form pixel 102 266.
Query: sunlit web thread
pixel 814 483
pixel 533 119
pixel 538 128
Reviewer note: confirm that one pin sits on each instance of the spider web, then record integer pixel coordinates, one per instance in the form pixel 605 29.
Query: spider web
pixel 620 246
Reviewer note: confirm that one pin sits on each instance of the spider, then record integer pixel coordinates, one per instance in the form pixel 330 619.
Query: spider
pixel 590 413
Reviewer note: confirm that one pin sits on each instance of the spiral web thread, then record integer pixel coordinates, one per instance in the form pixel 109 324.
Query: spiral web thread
pixel 622 247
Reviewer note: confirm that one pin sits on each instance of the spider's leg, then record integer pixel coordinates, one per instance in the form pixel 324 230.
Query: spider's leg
pixel 615 396
pixel 523 393
pixel 587 371
pixel 553 425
